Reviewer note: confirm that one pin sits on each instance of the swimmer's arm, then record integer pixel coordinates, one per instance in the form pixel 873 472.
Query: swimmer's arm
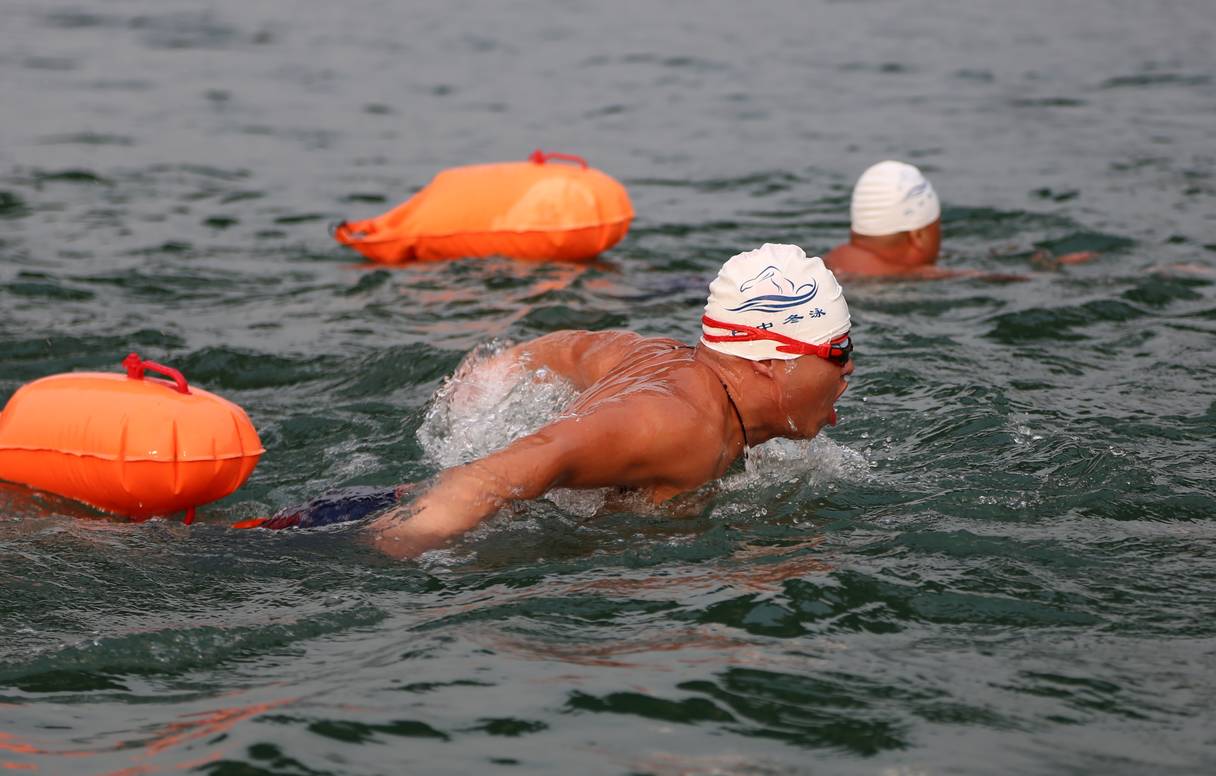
pixel 1045 259
pixel 1041 259
pixel 463 496
pixel 941 273
pixel 582 452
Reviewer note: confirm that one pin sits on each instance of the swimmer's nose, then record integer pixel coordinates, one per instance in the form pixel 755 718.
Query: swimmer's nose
pixel 848 368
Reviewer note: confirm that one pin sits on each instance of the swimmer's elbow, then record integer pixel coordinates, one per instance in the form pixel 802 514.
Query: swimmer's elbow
pixel 535 481
pixel 528 468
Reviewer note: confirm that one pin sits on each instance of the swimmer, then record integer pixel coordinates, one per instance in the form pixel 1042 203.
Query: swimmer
pixel 896 231
pixel 656 416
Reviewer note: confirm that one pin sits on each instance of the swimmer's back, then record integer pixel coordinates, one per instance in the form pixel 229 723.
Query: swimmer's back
pixel 585 357
pixel 657 366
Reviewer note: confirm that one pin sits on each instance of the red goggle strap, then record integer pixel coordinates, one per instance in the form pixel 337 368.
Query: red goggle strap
pixel 751 334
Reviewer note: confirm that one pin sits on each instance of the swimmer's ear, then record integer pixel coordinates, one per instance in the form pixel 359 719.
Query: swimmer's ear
pixel 927 238
pixel 763 367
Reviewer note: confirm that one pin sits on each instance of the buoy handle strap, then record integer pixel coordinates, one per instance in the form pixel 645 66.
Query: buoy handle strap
pixel 540 157
pixel 136 367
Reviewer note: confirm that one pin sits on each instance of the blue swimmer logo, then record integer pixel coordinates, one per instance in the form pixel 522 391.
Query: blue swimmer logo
pixel 917 191
pixel 788 295
pixel 916 198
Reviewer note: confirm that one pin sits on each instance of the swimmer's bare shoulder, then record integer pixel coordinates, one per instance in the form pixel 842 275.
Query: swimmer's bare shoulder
pixel 582 357
pixel 849 260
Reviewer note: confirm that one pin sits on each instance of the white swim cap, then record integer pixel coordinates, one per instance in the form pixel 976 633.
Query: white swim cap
pixel 893 197
pixel 785 302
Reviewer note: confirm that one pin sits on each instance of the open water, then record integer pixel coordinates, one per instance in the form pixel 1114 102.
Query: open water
pixel 1003 560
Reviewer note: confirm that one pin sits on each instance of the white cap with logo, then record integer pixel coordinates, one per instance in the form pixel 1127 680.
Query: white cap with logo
pixel 893 197
pixel 773 302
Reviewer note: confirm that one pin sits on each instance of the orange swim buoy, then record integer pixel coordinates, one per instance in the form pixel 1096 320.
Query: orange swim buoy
pixel 525 210
pixel 122 443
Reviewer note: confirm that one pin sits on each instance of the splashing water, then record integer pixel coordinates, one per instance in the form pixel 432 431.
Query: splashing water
pixel 488 402
pixel 818 461
pixel 1021 581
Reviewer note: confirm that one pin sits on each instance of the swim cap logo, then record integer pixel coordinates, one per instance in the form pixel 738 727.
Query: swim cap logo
pixel 788 294
pixel 917 191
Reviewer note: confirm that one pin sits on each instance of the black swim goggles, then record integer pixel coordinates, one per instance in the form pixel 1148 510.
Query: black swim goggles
pixel 838 350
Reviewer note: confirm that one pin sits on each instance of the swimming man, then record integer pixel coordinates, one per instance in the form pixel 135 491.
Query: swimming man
pixel 896 230
pixel 655 415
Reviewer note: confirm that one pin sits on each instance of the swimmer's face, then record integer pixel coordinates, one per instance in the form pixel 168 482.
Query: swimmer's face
pixel 810 387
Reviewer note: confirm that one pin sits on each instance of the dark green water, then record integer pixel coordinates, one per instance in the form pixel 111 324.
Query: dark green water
pixel 1003 560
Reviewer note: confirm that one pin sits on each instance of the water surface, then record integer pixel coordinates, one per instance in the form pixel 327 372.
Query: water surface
pixel 1002 560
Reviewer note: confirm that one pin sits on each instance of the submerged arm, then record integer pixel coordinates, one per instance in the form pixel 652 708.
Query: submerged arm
pixel 598 449
pixel 465 495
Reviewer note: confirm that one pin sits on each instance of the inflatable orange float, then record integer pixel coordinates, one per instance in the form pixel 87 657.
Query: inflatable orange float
pixel 525 210
pixel 126 444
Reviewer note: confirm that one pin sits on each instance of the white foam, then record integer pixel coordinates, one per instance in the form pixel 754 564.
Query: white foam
pixel 581 503
pixel 487 403
pixel 817 461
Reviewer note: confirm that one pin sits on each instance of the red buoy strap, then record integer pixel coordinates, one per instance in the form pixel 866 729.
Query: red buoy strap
pixel 136 367
pixel 540 157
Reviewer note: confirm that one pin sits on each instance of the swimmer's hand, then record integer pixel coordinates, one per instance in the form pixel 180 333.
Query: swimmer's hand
pixel 1045 259
pixel 1183 268
pixel 429 521
pixel 396 534
pixel 340 506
